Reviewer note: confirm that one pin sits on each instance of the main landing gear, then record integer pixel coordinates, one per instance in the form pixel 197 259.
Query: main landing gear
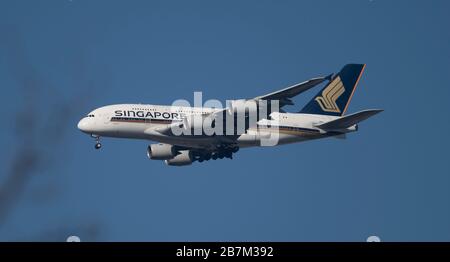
pixel 98 145
pixel 219 154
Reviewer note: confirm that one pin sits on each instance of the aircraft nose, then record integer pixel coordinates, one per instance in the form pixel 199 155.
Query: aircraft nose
pixel 83 125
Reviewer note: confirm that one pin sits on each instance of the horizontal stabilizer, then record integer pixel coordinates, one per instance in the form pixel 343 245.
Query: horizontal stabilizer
pixel 349 120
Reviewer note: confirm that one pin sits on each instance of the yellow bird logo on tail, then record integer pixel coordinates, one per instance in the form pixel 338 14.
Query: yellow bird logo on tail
pixel 329 96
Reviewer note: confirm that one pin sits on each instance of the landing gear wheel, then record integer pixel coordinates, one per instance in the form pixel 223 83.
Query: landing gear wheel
pixel 229 154
pixel 98 145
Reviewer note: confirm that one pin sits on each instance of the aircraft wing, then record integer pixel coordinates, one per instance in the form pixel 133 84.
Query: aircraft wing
pixel 167 130
pixel 284 95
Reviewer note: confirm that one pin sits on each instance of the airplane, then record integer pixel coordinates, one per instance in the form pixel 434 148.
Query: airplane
pixel 323 116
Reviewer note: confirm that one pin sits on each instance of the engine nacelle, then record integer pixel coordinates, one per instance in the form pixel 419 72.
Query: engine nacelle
pixel 161 151
pixel 183 159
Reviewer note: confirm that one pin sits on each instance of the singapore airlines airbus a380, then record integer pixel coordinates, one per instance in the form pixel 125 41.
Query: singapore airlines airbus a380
pixel 186 134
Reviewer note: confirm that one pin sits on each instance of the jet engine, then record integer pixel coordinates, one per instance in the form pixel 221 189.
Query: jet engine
pixel 161 151
pixel 183 159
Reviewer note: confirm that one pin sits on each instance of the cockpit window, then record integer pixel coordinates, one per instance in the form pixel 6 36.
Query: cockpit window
pixel 90 115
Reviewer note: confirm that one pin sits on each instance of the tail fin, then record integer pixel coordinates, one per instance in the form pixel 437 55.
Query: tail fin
pixel 334 98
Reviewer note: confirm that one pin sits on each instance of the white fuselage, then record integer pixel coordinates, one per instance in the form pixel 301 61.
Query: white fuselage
pixel 141 121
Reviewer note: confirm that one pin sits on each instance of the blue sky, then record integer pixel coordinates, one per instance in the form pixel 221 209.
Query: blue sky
pixel 61 59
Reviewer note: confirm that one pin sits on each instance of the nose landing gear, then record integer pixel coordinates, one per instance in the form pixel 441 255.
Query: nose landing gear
pixel 98 145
